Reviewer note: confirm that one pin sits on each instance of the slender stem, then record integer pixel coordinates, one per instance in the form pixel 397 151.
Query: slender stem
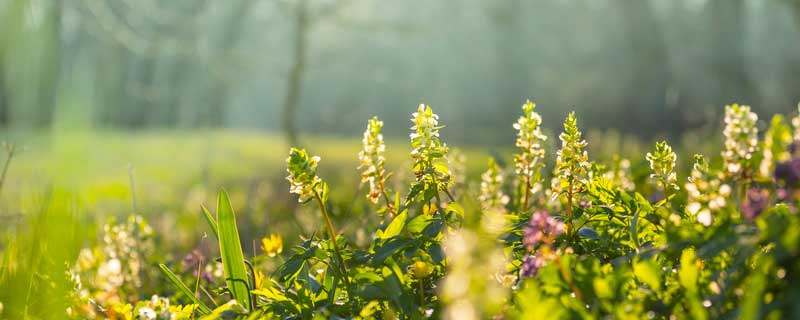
pixel 568 278
pixel 332 234
pixel 449 195
pixel 10 149
pixel 569 210
pixel 389 203
pixel 421 294
pixel 527 192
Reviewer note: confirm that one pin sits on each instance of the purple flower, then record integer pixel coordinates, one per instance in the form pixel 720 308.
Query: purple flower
pixel 531 265
pixel 793 149
pixel 757 200
pixel 787 174
pixel 192 261
pixel 542 227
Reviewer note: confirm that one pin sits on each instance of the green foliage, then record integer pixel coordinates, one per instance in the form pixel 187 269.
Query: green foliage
pixel 590 246
pixel 183 288
pixel 231 250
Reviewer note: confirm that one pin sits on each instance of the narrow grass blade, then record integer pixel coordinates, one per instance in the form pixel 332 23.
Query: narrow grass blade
pixel 211 221
pixel 230 249
pixel 204 309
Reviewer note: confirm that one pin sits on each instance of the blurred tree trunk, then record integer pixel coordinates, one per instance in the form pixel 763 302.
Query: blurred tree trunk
pixel 727 56
pixel 221 82
pixel 513 77
pixel 10 25
pixel 651 73
pixel 51 72
pixel 294 85
pixel 3 97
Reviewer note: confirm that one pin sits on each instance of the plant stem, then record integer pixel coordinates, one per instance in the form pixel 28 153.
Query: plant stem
pixel 332 234
pixel 568 279
pixel 569 210
pixel 527 192
pixel 421 294
pixel 389 204
pixel 10 149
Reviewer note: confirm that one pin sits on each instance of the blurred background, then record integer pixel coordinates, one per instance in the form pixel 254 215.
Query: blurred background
pixel 153 106
pixel 650 68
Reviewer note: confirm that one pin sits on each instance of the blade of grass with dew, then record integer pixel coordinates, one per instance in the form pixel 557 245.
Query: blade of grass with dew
pixel 211 221
pixel 230 249
pixel 204 309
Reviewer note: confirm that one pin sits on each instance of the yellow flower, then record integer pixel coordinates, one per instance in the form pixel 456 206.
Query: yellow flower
pixel 260 279
pixel 272 245
pixel 420 270
pixel 428 209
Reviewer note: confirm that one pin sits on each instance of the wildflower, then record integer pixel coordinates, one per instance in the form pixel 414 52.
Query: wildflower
pixel 776 146
pixel 572 162
pixel 530 141
pixel 756 201
pixel 787 174
pixel 147 313
pixel 192 261
pixel 303 174
pixel 428 151
pixel 372 159
pixel 541 228
pixel 428 209
pixel 492 195
pixel 620 173
pixel 305 182
pixel 705 192
pixel 260 279
pixel 741 138
pixel 272 245
pixel 662 164
pixel 420 270
pixel 458 167
pixel 531 265
pixel 506 280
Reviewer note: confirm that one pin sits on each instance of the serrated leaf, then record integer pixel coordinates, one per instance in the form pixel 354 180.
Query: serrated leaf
pixel 230 249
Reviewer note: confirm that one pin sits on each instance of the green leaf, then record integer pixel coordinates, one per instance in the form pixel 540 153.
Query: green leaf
pixel 395 226
pixel 689 272
pixel 648 272
pixel 389 248
pixel 231 250
pixel 211 221
pixel 418 223
pixel 204 309
pixel 441 167
pixel 455 207
pixel 588 233
pixel 635 229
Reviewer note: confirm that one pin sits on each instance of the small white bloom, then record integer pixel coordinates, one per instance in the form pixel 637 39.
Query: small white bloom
pixel 146 313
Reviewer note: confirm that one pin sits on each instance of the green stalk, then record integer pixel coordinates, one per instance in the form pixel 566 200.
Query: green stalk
pixel 10 150
pixel 332 234
pixel 527 191
pixel 569 210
